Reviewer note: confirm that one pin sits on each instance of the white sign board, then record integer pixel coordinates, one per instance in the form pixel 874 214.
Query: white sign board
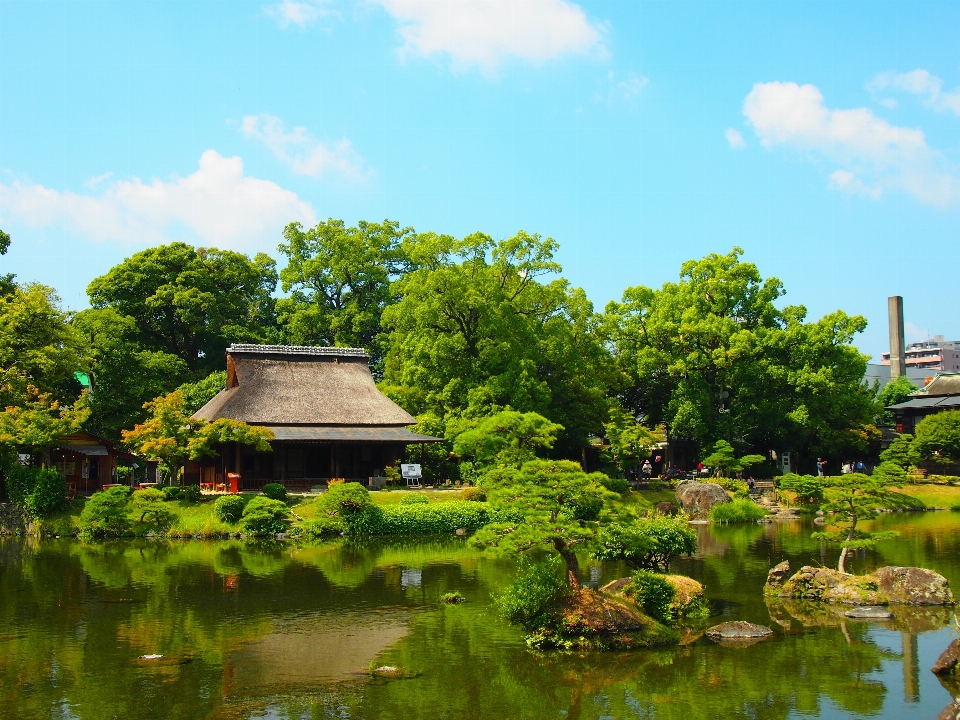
pixel 410 471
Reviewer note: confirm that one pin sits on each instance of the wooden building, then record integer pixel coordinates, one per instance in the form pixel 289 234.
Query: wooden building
pixel 327 416
pixel 941 393
pixel 89 462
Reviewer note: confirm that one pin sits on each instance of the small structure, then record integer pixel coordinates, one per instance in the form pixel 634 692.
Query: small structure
pixel 87 461
pixel 327 416
pixel 941 393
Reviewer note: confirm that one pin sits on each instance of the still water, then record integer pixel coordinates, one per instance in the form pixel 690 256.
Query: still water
pixel 285 631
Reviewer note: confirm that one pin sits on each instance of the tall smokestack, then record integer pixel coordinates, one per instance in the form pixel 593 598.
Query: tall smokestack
pixel 898 349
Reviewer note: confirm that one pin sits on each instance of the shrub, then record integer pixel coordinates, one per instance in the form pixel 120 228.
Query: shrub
pixel 937 437
pixel 738 511
pixel 335 481
pixel 653 593
pixel 534 597
pixel 105 513
pixel 473 494
pixel 807 488
pixel 183 493
pixel 275 491
pixel 345 499
pixel 49 492
pixel 264 516
pixel 452 598
pixel 646 543
pixel 229 508
pixel 414 499
pixel 324 527
pixel 617 485
pixel 739 488
pixel 149 502
pixel 419 519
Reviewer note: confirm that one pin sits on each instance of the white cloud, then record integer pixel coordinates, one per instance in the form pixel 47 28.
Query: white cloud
pixel 482 33
pixel 216 205
pixel 290 12
pixel 874 155
pixel 630 87
pixel 735 139
pixel 914 333
pixel 919 82
pixel 305 155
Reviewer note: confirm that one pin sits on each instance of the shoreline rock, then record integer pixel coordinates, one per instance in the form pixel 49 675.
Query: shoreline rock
pixel 886 586
pixel 739 633
pixel 696 499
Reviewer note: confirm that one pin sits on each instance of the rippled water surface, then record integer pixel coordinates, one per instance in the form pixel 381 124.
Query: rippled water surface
pixel 280 631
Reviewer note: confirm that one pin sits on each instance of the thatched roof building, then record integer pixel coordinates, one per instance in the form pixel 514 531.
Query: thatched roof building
pixel 323 407
pixel 941 393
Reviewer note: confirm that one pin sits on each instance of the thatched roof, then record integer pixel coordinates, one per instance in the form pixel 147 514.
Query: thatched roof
pixel 943 383
pixel 296 385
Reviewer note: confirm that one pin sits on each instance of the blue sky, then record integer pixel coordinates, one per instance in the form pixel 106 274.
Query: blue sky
pixel 822 137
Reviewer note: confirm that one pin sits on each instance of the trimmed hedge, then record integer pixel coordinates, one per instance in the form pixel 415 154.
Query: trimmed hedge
pixel 264 516
pixel 229 508
pixel 421 519
pixel 414 499
pixel 275 491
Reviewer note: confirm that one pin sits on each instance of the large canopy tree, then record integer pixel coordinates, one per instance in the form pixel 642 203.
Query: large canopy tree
pixel 479 327
pixel 713 357
pixel 338 280
pixel 191 302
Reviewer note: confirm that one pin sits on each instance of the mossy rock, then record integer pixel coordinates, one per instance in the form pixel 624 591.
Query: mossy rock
pixel 688 601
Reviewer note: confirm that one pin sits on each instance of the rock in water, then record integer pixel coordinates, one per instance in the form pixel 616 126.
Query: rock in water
pixel 914 586
pixel 739 630
pixel 697 498
pixel 666 508
pixel 950 712
pixel 869 613
pixel 778 574
pixel 947 662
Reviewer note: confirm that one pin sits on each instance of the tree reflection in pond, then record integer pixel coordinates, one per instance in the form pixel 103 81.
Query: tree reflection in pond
pixel 289 631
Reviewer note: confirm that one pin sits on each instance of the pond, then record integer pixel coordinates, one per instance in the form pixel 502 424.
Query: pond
pixel 286 631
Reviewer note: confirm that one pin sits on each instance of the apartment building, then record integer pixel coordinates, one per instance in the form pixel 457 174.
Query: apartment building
pixel 933 354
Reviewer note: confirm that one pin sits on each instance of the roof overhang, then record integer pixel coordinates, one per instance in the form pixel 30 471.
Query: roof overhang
pixel 926 403
pixel 349 433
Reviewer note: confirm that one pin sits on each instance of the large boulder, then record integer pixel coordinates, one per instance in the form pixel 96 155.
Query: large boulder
pixel 778 575
pixel 914 586
pixel 739 632
pixel 906 586
pixel 697 498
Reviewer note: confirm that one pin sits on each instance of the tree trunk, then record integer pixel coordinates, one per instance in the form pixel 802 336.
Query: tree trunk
pixel 573 566
pixel 843 553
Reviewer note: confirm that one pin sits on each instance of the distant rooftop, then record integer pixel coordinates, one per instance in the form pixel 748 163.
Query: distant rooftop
pixel 311 350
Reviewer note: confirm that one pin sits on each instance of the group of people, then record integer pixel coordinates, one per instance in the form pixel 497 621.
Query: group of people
pixel 853 466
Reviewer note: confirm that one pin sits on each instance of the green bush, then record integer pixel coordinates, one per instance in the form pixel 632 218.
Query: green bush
pixel 105 513
pixel 473 494
pixel 183 493
pixel 617 485
pixel 889 470
pixel 738 511
pixel 229 508
pixel 534 597
pixel 807 488
pixel 653 593
pixel 414 499
pixel 324 527
pixel 49 494
pixel 345 499
pixel 739 488
pixel 19 481
pixel 646 543
pixel 419 519
pixel 150 503
pixel 275 491
pixel 264 516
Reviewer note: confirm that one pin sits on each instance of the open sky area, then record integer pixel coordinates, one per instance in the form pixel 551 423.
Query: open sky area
pixel 821 137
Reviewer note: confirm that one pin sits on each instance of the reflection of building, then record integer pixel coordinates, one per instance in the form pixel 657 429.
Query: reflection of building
pixel 327 416
pixel 935 354
pixel 88 461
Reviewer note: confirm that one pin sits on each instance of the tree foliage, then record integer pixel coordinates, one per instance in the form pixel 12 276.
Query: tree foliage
pixel 479 328
pixel 723 459
pixel 713 357
pixel 507 438
pixel 39 420
pixel 901 451
pixel 894 392
pixel 937 437
pixel 338 280
pixel 191 302
pixel 629 441
pixel 646 543
pixel 550 496
pixel 851 498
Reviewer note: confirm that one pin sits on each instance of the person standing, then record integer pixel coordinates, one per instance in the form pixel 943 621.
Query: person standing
pixel 646 469
pixel 821 467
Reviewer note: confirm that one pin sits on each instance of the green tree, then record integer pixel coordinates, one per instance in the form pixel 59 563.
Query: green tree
pixel 508 438
pixel 6 281
pixel 937 437
pixel 895 391
pixel 630 442
pixel 191 302
pixel 646 543
pixel 38 421
pixel 476 331
pixel 338 280
pixel 713 357
pixel 123 374
pixel 171 436
pixel 550 496
pixel 723 459
pixel 851 498
pixel 198 394
pixel 902 452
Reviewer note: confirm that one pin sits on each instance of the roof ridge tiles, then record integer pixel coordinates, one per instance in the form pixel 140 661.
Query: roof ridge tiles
pixel 242 348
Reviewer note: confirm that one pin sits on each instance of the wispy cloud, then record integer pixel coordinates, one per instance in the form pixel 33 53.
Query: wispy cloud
pixel 918 82
pixel 304 154
pixel 482 33
pixel 290 12
pixel 735 139
pixel 216 205
pixel 874 156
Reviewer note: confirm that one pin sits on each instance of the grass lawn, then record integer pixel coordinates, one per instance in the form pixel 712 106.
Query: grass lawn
pixel 934 495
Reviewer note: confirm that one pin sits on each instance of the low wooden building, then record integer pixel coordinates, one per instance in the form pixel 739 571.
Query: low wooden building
pixel 941 393
pixel 327 416
pixel 89 462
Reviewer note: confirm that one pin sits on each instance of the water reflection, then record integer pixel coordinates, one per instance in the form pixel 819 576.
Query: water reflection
pixel 289 631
